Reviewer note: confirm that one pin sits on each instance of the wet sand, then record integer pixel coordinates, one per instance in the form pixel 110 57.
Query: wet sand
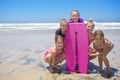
pixel 21 57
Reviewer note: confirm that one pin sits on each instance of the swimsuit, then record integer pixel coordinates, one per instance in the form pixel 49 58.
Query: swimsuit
pixel 100 48
pixel 48 53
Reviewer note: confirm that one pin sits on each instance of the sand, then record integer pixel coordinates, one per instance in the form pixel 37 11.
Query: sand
pixel 21 57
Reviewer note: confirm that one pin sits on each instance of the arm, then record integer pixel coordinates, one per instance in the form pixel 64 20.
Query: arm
pixel 94 47
pixel 60 59
pixel 53 57
pixel 92 50
pixel 96 54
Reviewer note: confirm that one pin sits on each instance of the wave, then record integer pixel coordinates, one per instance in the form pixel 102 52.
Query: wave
pixel 112 25
pixel 47 26
pixel 29 26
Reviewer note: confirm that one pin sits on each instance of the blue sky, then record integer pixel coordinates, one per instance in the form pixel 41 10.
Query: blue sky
pixel 54 10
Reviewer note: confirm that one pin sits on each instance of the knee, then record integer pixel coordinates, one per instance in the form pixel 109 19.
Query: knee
pixel 47 59
pixel 104 57
pixel 100 56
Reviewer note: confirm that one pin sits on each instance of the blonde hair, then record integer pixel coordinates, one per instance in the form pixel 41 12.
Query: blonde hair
pixel 63 20
pixel 90 21
pixel 99 32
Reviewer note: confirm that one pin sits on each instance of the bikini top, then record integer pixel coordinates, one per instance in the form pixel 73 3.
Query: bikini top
pixel 100 48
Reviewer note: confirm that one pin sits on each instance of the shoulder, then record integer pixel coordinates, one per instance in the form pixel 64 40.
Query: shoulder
pixel 106 41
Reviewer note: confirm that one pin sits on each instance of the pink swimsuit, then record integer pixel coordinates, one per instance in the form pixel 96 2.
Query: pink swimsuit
pixel 48 52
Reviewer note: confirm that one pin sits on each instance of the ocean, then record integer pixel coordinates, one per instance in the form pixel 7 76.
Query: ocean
pixel 48 26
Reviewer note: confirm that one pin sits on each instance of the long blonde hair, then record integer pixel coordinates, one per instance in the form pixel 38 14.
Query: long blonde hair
pixel 63 20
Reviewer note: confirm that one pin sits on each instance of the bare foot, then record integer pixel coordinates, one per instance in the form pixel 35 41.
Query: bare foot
pixel 108 73
pixel 100 71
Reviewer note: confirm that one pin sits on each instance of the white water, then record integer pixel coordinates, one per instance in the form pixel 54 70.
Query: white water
pixel 47 26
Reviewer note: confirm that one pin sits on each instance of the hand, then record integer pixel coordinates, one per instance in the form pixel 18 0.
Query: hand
pixel 97 53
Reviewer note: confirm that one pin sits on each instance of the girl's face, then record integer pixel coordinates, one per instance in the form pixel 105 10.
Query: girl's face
pixel 59 44
pixel 75 16
pixel 98 37
pixel 90 27
pixel 64 26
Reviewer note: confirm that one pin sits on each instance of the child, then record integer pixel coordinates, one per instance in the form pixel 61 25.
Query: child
pixel 63 28
pixel 103 46
pixel 55 55
pixel 73 48
pixel 75 17
pixel 90 27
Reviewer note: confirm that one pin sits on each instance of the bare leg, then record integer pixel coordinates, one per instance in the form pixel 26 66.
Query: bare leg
pixel 106 63
pixel 49 61
pixel 60 59
pixel 106 60
pixel 100 63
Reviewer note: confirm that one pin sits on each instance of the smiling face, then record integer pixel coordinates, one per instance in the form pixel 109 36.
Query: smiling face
pixel 99 35
pixel 59 43
pixel 90 26
pixel 75 16
pixel 63 26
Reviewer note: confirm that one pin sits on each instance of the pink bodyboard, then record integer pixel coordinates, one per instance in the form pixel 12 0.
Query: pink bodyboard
pixel 82 48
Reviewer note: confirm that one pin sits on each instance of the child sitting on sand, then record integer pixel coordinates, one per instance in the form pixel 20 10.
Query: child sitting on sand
pixel 90 27
pixel 75 17
pixel 55 55
pixel 62 30
pixel 103 46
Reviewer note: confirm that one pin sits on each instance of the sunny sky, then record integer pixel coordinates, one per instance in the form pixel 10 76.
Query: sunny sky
pixel 53 10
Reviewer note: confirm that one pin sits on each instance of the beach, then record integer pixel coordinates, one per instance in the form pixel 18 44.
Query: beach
pixel 21 57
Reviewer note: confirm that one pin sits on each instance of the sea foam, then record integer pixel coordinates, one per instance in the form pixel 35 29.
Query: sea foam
pixel 48 26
